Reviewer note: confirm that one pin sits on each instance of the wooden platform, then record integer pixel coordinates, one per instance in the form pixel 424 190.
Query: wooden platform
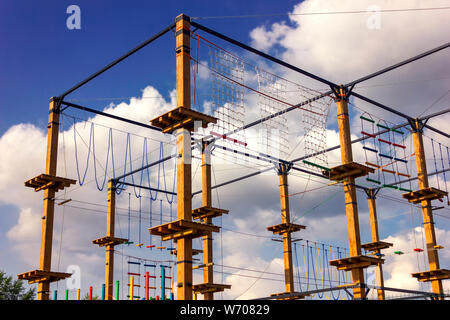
pixel 348 170
pixel 355 262
pixel 182 229
pixel 424 194
pixel 109 241
pixel 285 227
pixel 181 117
pixel 207 212
pixel 45 181
pixel 440 274
pixel 378 245
pixel 203 288
pixel 292 295
pixel 37 276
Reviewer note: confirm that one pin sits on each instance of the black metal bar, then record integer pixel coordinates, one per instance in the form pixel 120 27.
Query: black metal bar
pixel 437 131
pixel 262 54
pixel 434 114
pixel 234 180
pixel 146 188
pixel 397 65
pixel 382 106
pixel 123 57
pixel 76 106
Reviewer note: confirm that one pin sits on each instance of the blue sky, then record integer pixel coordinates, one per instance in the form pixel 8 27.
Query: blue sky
pixel 41 57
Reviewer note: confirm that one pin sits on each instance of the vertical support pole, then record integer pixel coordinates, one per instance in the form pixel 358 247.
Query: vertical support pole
pixel 163 283
pixel 117 290
pixel 103 291
pixel 427 212
pixel 286 218
pixel 351 206
pixel 90 293
pixel 371 199
pixel 131 288
pixel 147 277
pixel 184 187
pixel 110 225
pixel 45 260
pixel 208 273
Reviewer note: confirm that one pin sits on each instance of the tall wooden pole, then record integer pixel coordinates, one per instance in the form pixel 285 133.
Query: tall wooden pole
pixel 184 187
pixel 49 200
pixel 285 218
pixel 351 207
pixel 208 273
pixel 371 199
pixel 427 213
pixel 110 225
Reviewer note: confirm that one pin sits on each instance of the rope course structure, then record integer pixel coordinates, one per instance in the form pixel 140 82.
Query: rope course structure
pixel 218 123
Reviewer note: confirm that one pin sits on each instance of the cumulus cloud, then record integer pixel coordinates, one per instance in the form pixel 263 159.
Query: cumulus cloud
pixel 338 47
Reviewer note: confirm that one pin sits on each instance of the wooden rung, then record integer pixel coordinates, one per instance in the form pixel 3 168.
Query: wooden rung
pixel 207 212
pixel 285 228
pixel 181 117
pixel 424 194
pixel 45 181
pixel 182 229
pixel 355 262
pixel 378 245
pixel 347 170
pixel 388 171
pixel 36 276
pixel 109 241
pixel 194 252
pixel 439 274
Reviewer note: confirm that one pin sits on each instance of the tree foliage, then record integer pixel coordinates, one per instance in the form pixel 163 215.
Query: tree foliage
pixel 11 289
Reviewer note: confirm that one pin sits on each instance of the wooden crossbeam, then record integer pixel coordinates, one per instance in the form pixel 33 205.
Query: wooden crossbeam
pixel 109 241
pixel 37 276
pixel 285 227
pixel 378 245
pixel 45 181
pixel 182 228
pixel 348 170
pixel 181 117
pixel 355 262
pixel 439 274
pixel 424 194
pixel 292 295
pixel 207 212
pixel 203 288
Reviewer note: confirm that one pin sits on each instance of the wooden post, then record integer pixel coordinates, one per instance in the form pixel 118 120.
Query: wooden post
pixel 184 187
pixel 285 218
pixel 110 225
pixel 427 212
pixel 351 207
pixel 45 260
pixel 208 272
pixel 371 199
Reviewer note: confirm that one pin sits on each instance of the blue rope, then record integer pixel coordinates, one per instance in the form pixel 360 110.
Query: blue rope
pixel 129 216
pixel 100 188
pixel 81 180
pixel 435 164
pixel 315 279
pixel 298 272
pixel 151 218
